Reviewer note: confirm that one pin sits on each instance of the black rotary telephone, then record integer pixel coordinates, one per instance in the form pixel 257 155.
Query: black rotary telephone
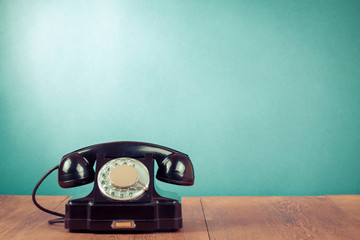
pixel 124 196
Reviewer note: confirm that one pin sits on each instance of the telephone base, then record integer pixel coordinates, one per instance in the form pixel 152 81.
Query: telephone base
pixel 158 215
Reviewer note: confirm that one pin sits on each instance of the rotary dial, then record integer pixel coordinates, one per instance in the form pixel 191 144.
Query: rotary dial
pixel 123 179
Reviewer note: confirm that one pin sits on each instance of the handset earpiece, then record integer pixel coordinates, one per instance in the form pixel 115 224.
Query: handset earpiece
pixel 176 169
pixel 75 170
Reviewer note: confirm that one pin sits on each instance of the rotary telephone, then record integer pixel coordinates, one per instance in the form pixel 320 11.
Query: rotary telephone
pixel 123 196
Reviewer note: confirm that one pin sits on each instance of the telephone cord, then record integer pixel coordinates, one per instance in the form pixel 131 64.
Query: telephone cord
pixel 41 207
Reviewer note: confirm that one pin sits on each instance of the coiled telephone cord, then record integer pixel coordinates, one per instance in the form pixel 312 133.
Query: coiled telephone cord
pixel 52 221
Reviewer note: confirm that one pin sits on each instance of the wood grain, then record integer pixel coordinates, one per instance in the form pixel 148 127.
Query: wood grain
pixel 277 218
pixel 350 204
pixel 20 219
pixel 326 217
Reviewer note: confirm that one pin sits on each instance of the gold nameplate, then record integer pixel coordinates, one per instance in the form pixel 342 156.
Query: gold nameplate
pixel 123 224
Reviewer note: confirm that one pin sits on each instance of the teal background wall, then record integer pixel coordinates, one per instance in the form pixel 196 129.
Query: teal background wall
pixel 263 95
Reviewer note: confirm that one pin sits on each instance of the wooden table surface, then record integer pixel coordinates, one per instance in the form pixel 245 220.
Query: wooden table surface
pixel 321 217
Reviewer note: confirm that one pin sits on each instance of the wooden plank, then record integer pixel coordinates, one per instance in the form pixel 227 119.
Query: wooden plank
pixel 20 219
pixel 194 221
pixel 350 204
pixel 277 218
pixel 329 217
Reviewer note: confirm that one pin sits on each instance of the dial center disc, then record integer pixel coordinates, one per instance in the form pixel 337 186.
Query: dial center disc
pixel 123 176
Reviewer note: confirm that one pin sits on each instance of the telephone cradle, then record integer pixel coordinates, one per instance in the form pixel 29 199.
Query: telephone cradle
pixel 124 197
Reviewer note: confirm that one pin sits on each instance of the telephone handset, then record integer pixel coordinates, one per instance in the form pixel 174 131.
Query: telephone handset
pixel 123 196
pixel 76 168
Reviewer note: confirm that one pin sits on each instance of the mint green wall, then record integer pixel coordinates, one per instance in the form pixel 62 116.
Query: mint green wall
pixel 264 96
